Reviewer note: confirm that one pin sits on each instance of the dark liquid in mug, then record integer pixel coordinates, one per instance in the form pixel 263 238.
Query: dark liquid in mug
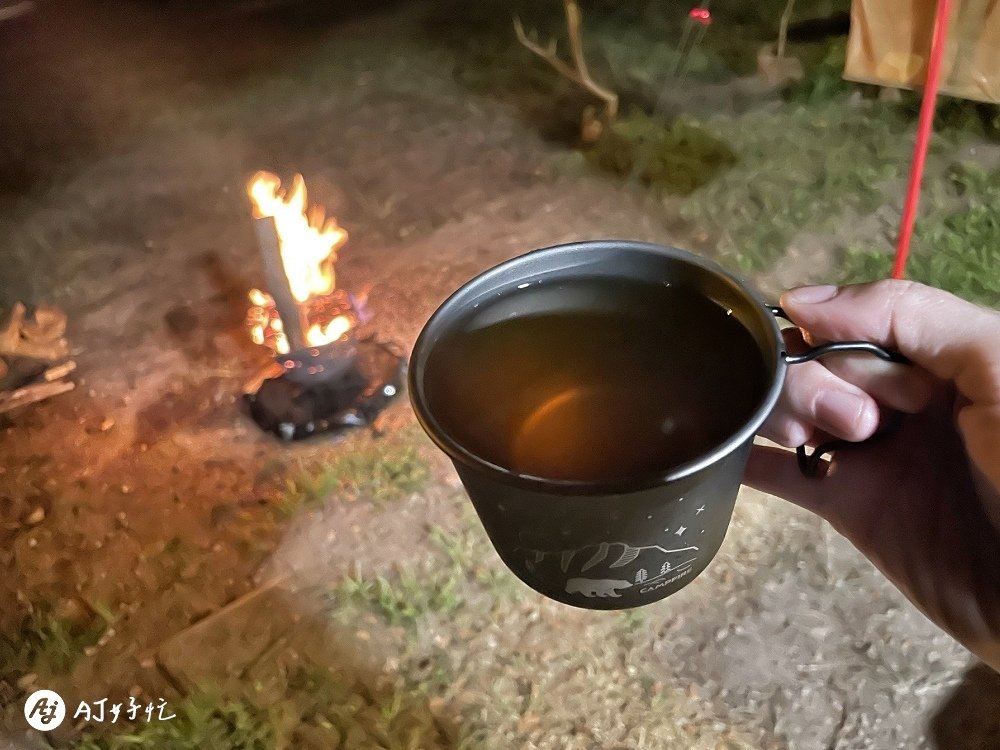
pixel 595 379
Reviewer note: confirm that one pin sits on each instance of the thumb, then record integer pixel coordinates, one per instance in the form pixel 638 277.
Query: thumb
pixel 954 339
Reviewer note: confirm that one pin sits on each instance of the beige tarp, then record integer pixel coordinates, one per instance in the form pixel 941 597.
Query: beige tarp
pixel 890 41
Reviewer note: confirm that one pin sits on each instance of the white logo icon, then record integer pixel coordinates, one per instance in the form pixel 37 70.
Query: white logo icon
pixel 45 710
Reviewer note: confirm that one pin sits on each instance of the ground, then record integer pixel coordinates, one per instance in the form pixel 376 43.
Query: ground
pixel 340 592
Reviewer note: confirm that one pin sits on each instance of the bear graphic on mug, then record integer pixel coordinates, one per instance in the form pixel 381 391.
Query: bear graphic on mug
pixel 612 566
pixel 595 587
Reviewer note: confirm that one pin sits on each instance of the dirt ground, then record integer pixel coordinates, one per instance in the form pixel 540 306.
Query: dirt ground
pixel 160 545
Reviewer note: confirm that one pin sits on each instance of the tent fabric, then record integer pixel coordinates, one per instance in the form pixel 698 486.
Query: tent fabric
pixel 890 42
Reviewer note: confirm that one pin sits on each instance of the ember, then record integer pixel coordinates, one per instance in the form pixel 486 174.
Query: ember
pixel 325 376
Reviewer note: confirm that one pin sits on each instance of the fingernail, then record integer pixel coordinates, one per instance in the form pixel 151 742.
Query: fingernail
pixel 810 295
pixel 840 412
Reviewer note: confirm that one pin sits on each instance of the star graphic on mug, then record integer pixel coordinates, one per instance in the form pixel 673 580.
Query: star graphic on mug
pixel 699 510
pixel 681 530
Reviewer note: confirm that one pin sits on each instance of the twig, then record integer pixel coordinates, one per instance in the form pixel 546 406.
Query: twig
pixel 577 72
pixel 786 17
pixel 59 371
pixel 29 394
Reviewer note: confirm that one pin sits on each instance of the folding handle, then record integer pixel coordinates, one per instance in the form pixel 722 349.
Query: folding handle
pixel 809 463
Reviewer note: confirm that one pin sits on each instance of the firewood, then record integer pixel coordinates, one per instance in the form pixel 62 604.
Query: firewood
pixel 50 352
pixel 39 338
pixel 10 334
pixel 48 324
pixel 29 394
pixel 59 371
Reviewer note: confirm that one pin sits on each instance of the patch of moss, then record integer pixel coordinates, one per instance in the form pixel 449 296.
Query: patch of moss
pixel 670 157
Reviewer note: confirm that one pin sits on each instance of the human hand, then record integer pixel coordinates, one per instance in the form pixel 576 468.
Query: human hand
pixel 923 504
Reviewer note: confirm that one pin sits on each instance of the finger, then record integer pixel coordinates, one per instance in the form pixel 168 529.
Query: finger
pixel 901 387
pixel 953 339
pixel 904 388
pixel 785 428
pixel 776 472
pixel 814 396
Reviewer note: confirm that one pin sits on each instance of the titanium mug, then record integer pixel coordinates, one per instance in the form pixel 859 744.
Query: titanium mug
pixel 626 543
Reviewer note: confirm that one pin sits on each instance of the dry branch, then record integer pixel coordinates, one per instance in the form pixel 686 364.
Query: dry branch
pixel 29 394
pixel 772 66
pixel 786 16
pixel 59 371
pixel 577 72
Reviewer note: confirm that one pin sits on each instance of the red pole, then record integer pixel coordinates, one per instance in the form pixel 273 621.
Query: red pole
pixel 925 125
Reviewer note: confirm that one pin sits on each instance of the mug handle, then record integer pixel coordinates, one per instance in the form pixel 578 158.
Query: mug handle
pixel 809 463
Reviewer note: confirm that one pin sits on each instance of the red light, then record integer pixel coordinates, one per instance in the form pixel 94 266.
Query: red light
pixel 701 15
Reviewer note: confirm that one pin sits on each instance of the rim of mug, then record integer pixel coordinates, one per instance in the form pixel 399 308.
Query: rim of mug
pixel 648 480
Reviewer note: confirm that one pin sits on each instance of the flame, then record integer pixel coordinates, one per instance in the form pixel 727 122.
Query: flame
pixel 308 242
pixel 330 332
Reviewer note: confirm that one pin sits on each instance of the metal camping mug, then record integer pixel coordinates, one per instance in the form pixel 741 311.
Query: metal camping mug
pixel 626 543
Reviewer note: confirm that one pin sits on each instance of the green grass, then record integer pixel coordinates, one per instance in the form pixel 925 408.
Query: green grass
pixel 203 720
pixel 379 470
pixel 405 597
pixel 799 169
pixel 320 709
pixel 382 471
pixel 47 644
pixel 437 585
pixel 956 250
pixel 467 550
pixel 823 78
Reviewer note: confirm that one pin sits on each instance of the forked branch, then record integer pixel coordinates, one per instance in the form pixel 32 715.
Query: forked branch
pixel 576 72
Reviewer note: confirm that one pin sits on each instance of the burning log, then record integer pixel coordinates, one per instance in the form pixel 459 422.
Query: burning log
pixel 293 323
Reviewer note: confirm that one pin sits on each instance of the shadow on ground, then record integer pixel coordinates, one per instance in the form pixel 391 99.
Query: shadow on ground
pixel 970 718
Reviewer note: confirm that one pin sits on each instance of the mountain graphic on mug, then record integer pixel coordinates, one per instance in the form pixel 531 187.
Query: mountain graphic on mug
pixel 607 568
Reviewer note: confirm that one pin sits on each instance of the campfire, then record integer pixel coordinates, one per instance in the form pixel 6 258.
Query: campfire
pixel 326 376
pixel 305 308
